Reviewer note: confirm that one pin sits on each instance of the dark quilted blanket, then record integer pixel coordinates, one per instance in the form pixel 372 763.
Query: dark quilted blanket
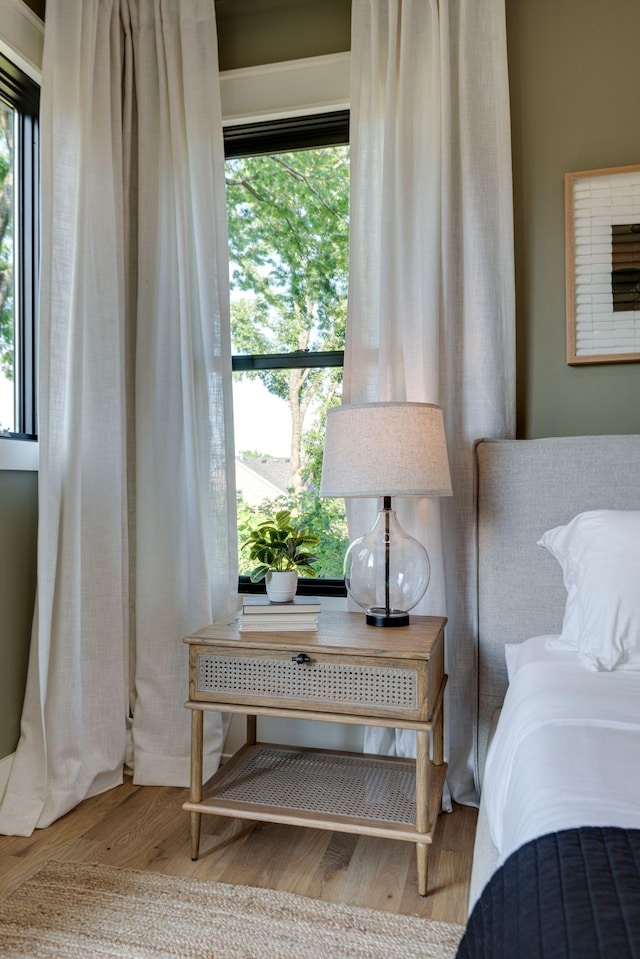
pixel 573 894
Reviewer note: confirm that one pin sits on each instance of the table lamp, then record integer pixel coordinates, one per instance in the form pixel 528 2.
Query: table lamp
pixel 384 450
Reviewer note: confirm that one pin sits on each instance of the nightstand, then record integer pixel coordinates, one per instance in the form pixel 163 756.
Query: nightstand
pixel 346 672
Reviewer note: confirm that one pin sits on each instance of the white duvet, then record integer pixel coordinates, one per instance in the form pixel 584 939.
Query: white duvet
pixel 566 751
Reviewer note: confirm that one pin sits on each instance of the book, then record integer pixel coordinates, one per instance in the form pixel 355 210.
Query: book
pixel 262 605
pixel 266 620
pixel 275 626
pixel 289 621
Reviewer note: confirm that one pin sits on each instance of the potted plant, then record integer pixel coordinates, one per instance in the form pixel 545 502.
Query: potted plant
pixel 281 548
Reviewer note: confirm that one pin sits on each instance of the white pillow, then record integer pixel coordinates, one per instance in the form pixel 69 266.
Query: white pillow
pixel 599 552
pixel 537 649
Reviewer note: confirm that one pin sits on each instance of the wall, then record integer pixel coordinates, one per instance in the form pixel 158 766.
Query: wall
pixel 37 6
pixel 574 76
pixel 18 530
pixel 254 32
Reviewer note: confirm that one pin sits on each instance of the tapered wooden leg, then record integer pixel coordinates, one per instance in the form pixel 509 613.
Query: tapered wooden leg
pixel 196 819
pixel 252 730
pixel 422 805
pixel 422 853
pixel 197 717
pixel 438 739
pixel 423 769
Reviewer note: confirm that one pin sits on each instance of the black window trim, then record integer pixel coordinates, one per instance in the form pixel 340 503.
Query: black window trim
pixel 23 95
pixel 299 359
pixel 273 136
pixel 286 134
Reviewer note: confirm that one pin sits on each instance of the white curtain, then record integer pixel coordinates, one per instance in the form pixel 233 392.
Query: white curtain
pixel 136 542
pixel 431 290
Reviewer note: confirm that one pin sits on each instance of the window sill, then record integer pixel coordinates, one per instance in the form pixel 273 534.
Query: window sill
pixel 306 587
pixel 18 454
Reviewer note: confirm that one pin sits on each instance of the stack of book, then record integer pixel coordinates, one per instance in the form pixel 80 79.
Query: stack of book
pixel 260 615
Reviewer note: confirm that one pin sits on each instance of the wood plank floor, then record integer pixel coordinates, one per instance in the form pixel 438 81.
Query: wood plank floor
pixel 144 827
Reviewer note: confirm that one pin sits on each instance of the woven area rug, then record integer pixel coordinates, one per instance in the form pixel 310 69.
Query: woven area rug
pixel 80 911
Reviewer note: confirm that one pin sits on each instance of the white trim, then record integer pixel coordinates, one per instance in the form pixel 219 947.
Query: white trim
pixel 22 37
pixel 5 770
pixel 287 89
pixel 19 455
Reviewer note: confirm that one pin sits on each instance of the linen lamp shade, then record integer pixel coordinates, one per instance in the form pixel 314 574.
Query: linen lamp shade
pixel 385 449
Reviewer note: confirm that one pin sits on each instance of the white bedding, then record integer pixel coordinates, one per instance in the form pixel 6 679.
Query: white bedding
pixel 566 751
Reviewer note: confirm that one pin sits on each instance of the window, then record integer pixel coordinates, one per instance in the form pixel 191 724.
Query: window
pixel 288 211
pixel 19 99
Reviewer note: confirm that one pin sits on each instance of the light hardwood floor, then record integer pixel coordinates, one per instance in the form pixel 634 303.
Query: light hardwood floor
pixel 144 827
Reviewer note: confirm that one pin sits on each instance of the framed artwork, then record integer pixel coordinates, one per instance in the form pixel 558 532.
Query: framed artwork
pixel 602 249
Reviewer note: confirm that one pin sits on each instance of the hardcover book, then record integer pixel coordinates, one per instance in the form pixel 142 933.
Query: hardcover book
pixel 262 606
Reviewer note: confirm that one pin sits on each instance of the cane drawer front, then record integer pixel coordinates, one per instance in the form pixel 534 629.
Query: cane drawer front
pixel 319 681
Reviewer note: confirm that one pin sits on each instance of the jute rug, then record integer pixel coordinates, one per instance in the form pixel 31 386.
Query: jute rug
pixel 79 911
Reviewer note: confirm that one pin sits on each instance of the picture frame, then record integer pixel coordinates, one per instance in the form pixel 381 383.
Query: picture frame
pixel 602 252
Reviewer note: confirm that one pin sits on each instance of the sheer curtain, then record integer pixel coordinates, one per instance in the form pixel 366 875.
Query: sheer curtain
pixel 136 541
pixel 431 294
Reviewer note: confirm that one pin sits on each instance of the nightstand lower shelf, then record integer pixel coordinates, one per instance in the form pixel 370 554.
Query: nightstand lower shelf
pixel 324 789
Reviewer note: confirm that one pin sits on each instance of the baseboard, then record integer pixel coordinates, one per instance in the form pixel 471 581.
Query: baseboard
pixel 5 769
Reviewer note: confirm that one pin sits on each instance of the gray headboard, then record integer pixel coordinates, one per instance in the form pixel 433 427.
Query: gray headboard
pixel 525 487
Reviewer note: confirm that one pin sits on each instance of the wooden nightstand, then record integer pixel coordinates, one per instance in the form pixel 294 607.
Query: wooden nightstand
pixel 346 672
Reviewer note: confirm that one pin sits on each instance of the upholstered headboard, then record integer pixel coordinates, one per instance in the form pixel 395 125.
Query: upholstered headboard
pixel 525 487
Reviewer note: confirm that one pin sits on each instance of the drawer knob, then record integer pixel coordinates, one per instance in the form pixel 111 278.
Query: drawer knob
pixel 301 658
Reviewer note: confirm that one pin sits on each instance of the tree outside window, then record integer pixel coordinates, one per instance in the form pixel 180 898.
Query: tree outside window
pixel 19 187
pixel 7 327
pixel 288 239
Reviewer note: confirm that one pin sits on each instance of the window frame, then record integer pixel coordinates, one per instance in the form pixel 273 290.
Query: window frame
pixel 22 95
pixel 278 136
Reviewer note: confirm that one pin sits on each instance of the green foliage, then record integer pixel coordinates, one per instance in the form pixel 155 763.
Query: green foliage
pixel 323 517
pixel 288 236
pixel 289 248
pixel 6 243
pixel 313 449
pixel 326 517
pixel 281 544
pixel 288 240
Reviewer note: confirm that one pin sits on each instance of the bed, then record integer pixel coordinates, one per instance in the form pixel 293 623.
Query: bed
pixel 556 869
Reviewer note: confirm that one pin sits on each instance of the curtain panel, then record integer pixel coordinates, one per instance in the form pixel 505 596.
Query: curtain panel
pixel 137 530
pixel 431 314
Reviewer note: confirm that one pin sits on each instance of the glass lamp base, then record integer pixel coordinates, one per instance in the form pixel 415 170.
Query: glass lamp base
pixel 387 571
pixel 382 617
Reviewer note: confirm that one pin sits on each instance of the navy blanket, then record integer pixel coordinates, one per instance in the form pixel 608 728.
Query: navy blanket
pixel 573 894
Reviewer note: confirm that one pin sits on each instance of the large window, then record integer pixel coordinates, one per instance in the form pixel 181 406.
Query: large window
pixel 19 98
pixel 288 210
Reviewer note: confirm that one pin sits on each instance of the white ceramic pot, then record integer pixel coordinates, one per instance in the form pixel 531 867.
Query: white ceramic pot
pixel 281 586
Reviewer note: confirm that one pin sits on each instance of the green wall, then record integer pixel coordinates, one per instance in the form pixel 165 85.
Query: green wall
pixel 37 6
pixel 253 32
pixel 18 532
pixel 574 76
